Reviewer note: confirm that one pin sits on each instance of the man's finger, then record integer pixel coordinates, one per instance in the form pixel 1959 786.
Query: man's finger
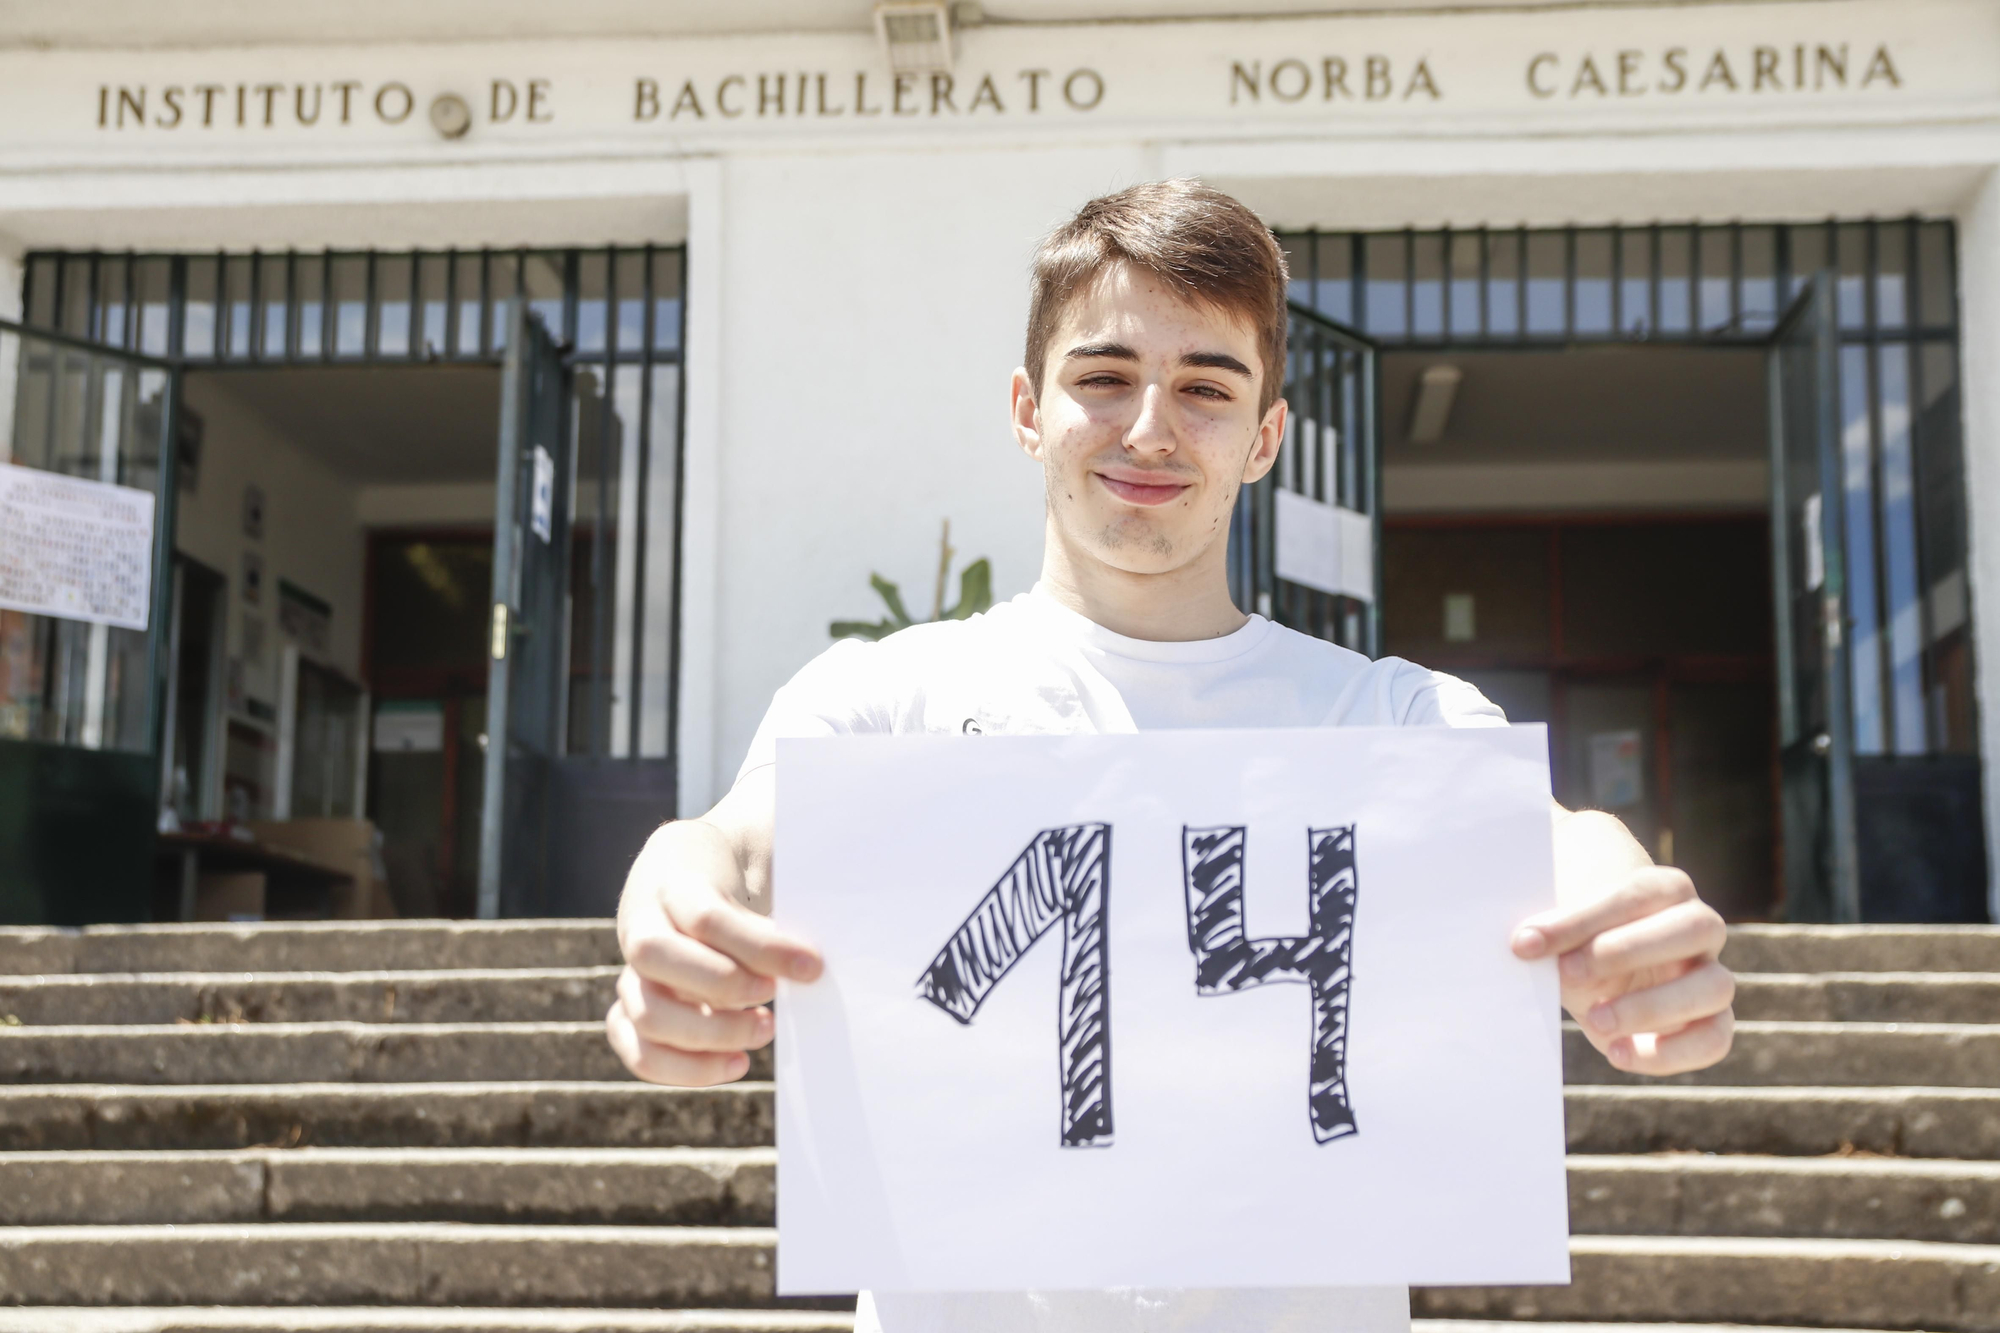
pixel 666 1020
pixel 663 1064
pixel 743 935
pixel 1678 934
pixel 1648 890
pixel 1668 1007
pixel 1696 1046
pixel 695 971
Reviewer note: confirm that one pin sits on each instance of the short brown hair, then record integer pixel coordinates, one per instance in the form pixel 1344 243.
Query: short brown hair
pixel 1205 246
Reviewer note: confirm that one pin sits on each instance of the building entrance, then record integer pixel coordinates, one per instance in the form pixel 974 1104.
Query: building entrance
pixel 1693 495
pixel 411 638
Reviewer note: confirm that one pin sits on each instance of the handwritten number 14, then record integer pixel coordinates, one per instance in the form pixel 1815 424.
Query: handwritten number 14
pixel 1063 876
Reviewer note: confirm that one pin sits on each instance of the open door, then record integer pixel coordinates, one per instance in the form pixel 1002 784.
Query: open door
pixel 1305 544
pixel 527 684
pixel 86 535
pixel 1808 565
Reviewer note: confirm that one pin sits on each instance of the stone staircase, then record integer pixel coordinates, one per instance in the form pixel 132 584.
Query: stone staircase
pixel 413 1126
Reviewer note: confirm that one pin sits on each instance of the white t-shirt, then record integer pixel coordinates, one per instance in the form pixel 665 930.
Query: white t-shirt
pixel 1033 667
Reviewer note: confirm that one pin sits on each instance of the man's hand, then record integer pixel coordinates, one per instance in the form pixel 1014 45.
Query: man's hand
pixel 1636 951
pixel 700 962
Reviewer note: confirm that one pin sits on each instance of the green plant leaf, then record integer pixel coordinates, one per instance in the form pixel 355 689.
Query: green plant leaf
pixel 862 629
pixel 892 597
pixel 975 591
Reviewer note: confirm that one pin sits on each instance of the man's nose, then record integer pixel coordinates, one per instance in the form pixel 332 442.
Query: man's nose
pixel 1152 431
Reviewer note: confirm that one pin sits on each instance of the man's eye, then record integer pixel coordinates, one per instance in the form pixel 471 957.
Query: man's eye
pixel 1209 391
pixel 1101 381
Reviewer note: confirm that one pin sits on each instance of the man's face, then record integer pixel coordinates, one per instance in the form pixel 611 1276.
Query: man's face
pixel 1147 424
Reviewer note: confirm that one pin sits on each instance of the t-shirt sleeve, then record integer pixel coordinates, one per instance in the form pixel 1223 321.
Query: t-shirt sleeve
pixel 838 693
pixel 1435 699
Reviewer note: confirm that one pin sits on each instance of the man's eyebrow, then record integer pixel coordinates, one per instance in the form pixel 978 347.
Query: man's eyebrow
pixel 1219 361
pixel 1085 351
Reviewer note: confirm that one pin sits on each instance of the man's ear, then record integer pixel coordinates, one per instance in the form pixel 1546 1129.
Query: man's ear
pixel 1270 434
pixel 1027 416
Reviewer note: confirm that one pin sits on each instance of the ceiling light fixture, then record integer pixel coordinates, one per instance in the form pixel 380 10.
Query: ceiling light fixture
pixel 915 35
pixel 1437 390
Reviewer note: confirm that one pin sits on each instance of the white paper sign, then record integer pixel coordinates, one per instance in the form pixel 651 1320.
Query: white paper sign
pixel 1041 1056
pixel 542 501
pixel 81 550
pixel 1324 546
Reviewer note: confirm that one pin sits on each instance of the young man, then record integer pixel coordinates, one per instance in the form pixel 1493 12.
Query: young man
pixel 1150 396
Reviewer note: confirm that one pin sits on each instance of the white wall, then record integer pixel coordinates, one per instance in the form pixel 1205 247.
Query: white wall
pixel 311 536
pixel 873 311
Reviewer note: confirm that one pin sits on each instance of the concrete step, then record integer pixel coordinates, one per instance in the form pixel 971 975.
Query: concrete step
pixel 361 1115
pixel 1881 1284
pixel 466 995
pixel 337 946
pixel 1673 1195
pixel 313 1052
pixel 1904 1122
pixel 278 1319
pixel 1868 997
pixel 308 946
pixel 1929 1055
pixel 1863 948
pixel 1850 1198
pixel 1791 1122
pixel 589 1186
pixel 387 1263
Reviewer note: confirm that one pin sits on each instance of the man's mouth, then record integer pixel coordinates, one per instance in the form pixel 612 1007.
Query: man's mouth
pixel 1143 488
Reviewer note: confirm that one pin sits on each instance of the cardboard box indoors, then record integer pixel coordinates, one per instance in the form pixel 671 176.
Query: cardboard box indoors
pixel 223 895
pixel 346 845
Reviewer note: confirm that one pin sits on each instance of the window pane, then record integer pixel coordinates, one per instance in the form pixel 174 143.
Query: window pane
pixel 392 304
pixel 503 275
pixel 1548 263
pixel 471 300
pixel 1593 282
pixel 1298 252
pixel 111 313
pixel 631 274
pixel 309 274
pixel 198 326
pixel 1865 643
pixel 1503 282
pixel 1899 552
pixel 41 283
pixel 1941 529
pixel 1462 262
pixel 1635 281
pixel 592 274
pixel 1717 260
pixel 542 274
pixel 1808 257
pixel 1427 297
pixel 1852 288
pixel 1934 264
pixel 239 313
pixel 1759 291
pixel 350 305
pixel 274 299
pixel 1386 257
pixel 1676 289
pixel 666 300
pixel 152 283
pixel 75 317
pixel 1892 261
pixel 432 339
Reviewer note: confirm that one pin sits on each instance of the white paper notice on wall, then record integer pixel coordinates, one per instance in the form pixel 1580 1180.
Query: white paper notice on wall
pixel 78 549
pixel 1324 546
pixel 542 501
pixel 1043 1056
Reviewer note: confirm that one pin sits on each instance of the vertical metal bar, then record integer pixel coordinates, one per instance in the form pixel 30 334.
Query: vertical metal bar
pixel 1521 283
pixel 641 513
pixel 1885 648
pixel 1446 276
pixel 1736 276
pixel 680 508
pixel 451 347
pixel 1569 284
pixel 222 314
pixel 1618 284
pixel 570 270
pixel 1485 284
pixel 329 325
pixel 371 321
pixel 1357 275
pixel 413 337
pixel 1695 329
pixel 1312 264
pixel 256 347
pixel 602 606
pixel 1653 261
pixel 93 312
pixel 1913 288
pixel 128 336
pixel 177 308
pixel 1781 263
pixel 293 314
pixel 1409 284
pixel 485 303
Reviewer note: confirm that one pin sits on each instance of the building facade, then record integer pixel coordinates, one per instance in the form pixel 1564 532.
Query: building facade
pixel 1653 381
